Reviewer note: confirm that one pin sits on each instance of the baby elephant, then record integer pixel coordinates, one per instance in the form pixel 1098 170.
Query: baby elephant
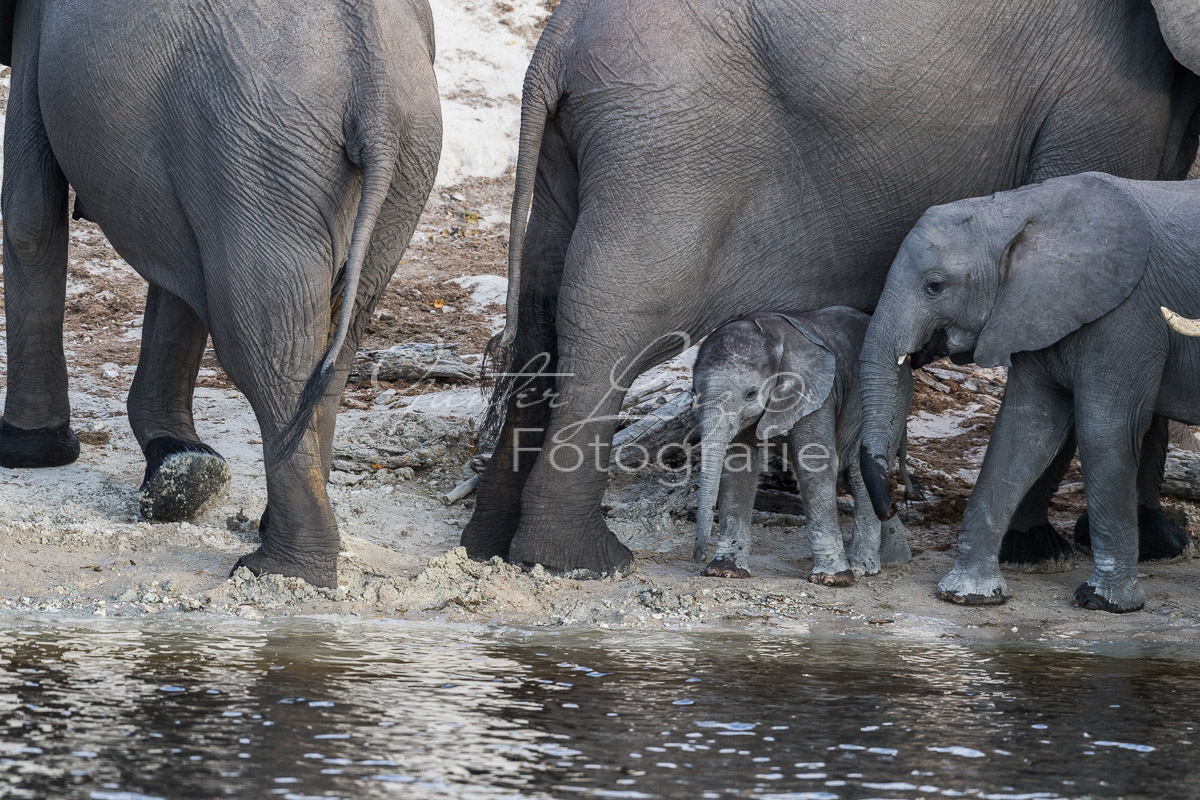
pixel 1063 281
pixel 771 374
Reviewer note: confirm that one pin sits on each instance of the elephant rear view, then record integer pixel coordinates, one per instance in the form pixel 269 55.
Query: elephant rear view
pixel 262 165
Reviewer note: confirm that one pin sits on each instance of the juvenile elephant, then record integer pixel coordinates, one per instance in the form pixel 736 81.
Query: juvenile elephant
pixel 792 375
pixel 1063 281
pixel 263 165
pixel 686 162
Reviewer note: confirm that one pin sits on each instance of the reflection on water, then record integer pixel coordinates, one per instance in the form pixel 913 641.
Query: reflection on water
pixel 125 710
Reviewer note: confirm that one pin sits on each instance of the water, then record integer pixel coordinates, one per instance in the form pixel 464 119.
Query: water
pixel 125 710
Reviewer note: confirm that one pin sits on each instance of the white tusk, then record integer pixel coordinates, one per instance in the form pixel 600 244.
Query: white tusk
pixel 1188 327
pixel 902 359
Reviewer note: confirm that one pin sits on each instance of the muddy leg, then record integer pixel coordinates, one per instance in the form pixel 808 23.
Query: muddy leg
pixel 866 546
pixel 735 500
pixel 818 486
pixel 183 475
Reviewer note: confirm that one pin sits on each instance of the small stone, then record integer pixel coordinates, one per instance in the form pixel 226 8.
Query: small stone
pixel 338 478
pixel 130 595
pixel 249 612
pixel 385 397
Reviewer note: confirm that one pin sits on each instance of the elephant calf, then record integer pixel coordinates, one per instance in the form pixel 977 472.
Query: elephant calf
pixel 771 374
pixel 1063 281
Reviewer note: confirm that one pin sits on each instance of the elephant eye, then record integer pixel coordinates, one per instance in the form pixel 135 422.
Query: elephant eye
pixel 751 394
pixel 934 286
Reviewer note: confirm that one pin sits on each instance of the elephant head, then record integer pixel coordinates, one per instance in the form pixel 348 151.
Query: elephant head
pixel 766 371
pixel 988 277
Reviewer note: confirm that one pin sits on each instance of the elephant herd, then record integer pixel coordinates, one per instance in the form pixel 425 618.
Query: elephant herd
pixel 778 168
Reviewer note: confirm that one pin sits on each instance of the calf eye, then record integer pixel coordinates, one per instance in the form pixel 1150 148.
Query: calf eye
pixel 934 286
pixel 751 394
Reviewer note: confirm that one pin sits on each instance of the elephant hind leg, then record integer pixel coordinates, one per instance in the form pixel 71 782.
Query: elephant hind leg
pixel 183 475
pixel 1031 543
pixel 269 336
pixel 35 430
pixel 531 364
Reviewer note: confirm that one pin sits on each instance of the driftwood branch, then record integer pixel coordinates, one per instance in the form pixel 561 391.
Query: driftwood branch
pixel 1182 478
pixel 667 425
pixel 412 362
pixel 366 459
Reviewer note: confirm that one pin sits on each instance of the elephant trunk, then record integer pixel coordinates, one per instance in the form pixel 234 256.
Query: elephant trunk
pixel 717 430
pixel 882 399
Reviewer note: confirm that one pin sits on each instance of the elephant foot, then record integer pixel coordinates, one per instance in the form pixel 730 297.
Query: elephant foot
pixel 484 540
pixel 1159 537
pixel 181 479
pixel 1039 549
pixel 868 565
pixel 893 544
pixel 583 552
pixel 724 567
pixel 318 572
pixel 843 578
pixel 490 531
pixel 1117 600
pixel 972 588
pixel 41 447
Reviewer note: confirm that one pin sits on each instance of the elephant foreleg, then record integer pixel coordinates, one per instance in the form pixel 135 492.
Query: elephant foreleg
pixel 816 464
pixel 735 501
pixel 35 430
pixel 1031 429
pixel 183 475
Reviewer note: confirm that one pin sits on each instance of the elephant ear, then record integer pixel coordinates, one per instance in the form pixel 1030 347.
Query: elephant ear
pixel 1076 258
pixel 804 380
pixel 1179 21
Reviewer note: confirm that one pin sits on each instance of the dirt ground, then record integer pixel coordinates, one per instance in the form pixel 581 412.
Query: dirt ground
pixel 72 540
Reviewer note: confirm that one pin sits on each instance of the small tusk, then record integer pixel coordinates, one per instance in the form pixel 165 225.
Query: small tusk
pixel 902 359
pixel 1188 327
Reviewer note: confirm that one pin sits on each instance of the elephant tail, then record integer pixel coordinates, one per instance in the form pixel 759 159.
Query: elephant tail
pixel 378 169
pixel 539 100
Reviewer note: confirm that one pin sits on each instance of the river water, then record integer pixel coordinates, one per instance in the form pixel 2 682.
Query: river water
pixel 200 707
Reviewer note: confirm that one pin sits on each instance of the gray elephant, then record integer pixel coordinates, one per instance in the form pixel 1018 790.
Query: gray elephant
pixel 1063 281
pixel 796 376
pixel 263 165
pixel 685 163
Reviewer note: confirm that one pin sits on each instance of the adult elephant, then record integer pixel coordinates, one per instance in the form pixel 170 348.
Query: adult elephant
pixel 686 162
pixel 263 165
